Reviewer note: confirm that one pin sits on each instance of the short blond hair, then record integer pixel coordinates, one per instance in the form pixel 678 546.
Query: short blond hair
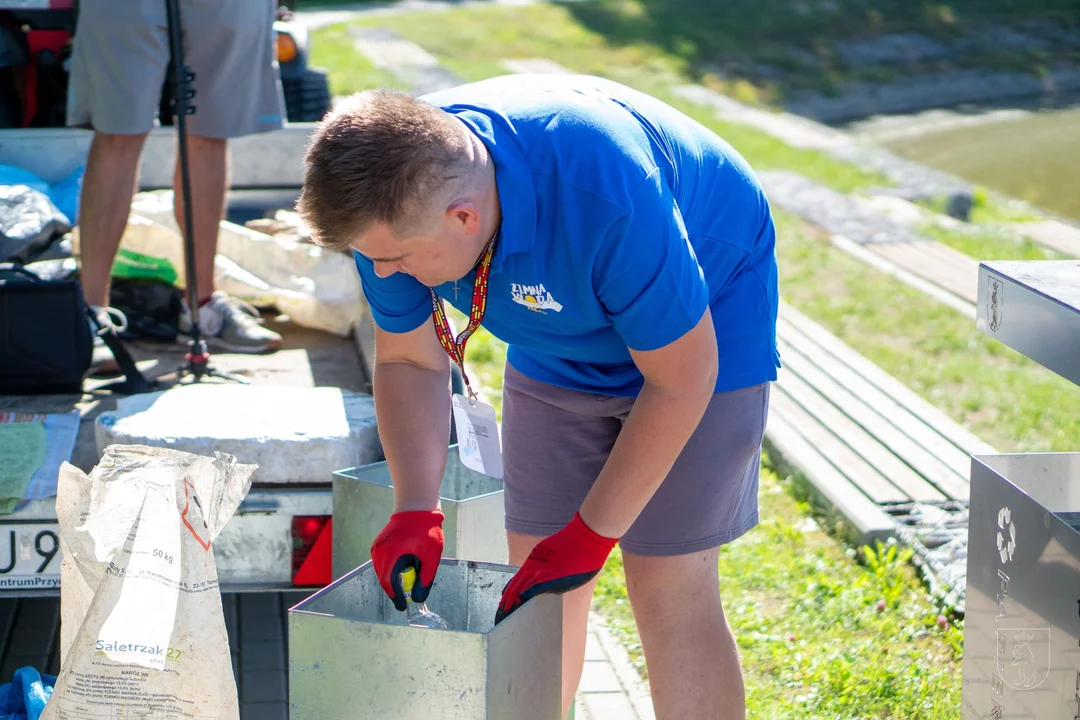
pixel 380 156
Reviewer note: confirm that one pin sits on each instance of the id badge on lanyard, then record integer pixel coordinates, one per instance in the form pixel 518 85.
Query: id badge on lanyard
pixel 477 429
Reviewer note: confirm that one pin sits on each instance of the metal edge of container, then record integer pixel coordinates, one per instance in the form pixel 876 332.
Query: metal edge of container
pixel 1035 322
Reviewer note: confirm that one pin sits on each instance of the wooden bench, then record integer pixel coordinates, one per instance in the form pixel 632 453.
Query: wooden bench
pixel 869 446
pixel 940 264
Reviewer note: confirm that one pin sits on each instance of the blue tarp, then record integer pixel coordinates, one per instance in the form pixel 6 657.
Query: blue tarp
pixel 64 194
pixel 25 696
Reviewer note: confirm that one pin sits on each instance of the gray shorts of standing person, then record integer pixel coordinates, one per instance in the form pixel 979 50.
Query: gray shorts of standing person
pixel 120 63
pixel 121 57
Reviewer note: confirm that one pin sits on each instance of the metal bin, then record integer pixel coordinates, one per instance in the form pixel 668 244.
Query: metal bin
pixel 351 654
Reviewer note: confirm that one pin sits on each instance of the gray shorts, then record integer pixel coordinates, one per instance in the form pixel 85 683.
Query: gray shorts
pixel 555 442
pixel 121 55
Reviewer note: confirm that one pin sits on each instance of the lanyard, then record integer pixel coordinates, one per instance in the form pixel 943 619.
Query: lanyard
pixel 456 348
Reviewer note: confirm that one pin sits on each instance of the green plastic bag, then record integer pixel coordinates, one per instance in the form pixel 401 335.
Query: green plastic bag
pixel 136 266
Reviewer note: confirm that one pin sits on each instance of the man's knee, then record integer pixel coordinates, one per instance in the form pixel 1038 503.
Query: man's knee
pixel 199 142
pixel 671 581
pixel 123 145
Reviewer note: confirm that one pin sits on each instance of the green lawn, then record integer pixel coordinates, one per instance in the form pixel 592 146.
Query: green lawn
pixel 350 71
pixel 986 236
pixel 302 5
pixel 764 50
pixel 821 637
pixel 472 41
pixel 1009 401
pixel 796 39
pixel 989 243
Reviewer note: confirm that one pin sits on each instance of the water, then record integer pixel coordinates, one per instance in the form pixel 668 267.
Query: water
pixel 417 614
pixel 1033 155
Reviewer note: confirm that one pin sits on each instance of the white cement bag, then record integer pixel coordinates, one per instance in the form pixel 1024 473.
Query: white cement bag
pixel 142 629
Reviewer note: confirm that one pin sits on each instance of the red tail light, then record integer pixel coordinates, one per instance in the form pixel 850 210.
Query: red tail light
pixel 312 537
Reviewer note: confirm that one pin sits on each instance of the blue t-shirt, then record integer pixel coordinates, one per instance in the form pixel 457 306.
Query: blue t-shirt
pixel 622 219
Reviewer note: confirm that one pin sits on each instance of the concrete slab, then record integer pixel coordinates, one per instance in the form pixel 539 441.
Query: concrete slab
pixel 293 434
pixel 603 705
pixel 597 676
pixel 610 688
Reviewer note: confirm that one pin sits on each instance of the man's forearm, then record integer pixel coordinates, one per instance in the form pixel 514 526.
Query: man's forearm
pixel 412 405
pixel 660 423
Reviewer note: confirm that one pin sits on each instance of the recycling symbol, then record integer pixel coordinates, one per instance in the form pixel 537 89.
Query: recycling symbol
pixel 1006 537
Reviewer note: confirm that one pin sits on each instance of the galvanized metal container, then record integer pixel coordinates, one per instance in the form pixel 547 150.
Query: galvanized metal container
pixel 472 503
pixel 1021 628
pixel 351 654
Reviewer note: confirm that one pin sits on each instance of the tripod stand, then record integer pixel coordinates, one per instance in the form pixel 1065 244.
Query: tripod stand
pixel 197 360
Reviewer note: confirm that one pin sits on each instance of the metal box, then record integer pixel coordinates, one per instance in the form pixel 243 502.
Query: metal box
pixel 1022 624
pixel 472 503
pixel 351 654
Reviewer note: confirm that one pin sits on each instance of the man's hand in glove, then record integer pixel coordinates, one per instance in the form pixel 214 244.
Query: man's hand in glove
pixel 565 561
pixel 410 539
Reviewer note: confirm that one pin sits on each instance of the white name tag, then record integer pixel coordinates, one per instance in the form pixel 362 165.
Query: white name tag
pixel 478 436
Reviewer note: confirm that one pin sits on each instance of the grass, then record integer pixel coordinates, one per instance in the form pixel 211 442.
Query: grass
pixel 819 635
pixel 778 46
pixel 350 71
pixel 472 41
pixel 1003 397
pixel 989 211
pixel 765 50
pixel 987 236
pixel 302 5
pixel 991 244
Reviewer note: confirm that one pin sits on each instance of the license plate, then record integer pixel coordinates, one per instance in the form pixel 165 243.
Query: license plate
pixel 29 556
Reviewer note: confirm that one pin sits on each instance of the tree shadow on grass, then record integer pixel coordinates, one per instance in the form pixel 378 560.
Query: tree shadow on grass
pixel 783 46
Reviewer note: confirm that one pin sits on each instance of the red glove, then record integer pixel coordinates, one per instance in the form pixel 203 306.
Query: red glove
pixel 410 539
pixel 565 561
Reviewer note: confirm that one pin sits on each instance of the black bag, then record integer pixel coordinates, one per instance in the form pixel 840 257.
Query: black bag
pixel 152 309
pixel 46 345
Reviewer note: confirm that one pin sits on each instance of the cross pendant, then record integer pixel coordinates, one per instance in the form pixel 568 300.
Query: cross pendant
pixel 455 290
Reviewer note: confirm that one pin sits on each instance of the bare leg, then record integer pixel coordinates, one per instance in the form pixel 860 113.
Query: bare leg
pixel 208 164
pixel 693 661
pixel 112 169
pixel 576 606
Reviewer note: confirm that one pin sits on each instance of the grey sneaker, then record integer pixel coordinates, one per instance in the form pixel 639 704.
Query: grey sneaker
pixel 231 324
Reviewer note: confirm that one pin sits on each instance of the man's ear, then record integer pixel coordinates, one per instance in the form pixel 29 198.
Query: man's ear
pixel 466 215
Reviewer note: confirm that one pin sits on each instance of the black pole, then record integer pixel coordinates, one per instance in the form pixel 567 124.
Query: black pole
pixel 182 77
pixel 197 358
